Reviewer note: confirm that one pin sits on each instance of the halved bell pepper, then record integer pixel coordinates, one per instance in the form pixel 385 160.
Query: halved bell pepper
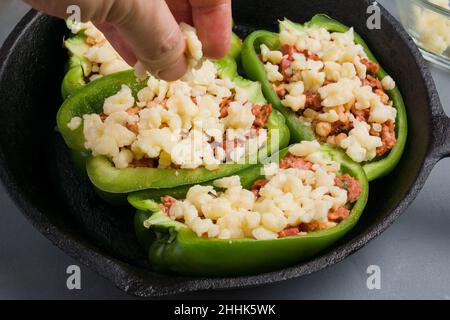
pixel 254 69
pixel 113 181
pixel 173 247
pixel 79 68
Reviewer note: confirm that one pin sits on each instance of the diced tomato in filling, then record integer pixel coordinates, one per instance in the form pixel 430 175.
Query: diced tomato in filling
pixel 338 214
pixel 387 137
pixel 372 67
pixel 166 203
pixel 291 161
pixel 258 185
pixel 261 114
pixel 289 232
pixel 350 184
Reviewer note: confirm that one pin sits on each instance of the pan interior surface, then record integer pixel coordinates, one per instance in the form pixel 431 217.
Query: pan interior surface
pixel 61 203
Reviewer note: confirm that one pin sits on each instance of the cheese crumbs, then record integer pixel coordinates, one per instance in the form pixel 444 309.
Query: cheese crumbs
pixel 102 57
pixel 198 121
pixel 328 80
pixel 291 198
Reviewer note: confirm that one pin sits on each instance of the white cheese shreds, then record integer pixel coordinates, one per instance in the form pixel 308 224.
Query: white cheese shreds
pixel 177 124
pixel 329 82
pixel 432 28
pixel 103 59
pixel 74 123
pixel 388 83
pixel 193 44
pixel 360 145
pixel 289 198
pixel 121 101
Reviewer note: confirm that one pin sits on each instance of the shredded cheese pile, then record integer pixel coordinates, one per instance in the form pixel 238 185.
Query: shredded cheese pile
pixel 325 78
pixel 179 124
pixel 291 197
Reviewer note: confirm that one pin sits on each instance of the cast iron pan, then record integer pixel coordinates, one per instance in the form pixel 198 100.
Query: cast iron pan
pixel 36 170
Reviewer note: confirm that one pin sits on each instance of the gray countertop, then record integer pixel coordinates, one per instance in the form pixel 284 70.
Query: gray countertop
pixel 413 255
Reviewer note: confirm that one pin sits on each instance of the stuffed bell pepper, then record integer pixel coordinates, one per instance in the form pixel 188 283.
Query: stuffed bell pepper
pixel 92 56
pixel 329 86
pixel 134 135
pixel 298 203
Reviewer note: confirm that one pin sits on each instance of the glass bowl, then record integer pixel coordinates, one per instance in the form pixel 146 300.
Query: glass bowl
pixel 428 23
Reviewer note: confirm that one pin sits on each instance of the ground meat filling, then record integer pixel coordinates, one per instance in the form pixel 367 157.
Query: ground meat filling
pixel 166 203
pixel 372 67
pixel 262 114
pixel 289 232
pixel 350 184
pixel 144 163
pixel 335 215
pixel 291 161
pixel 338 215
pixel 388 138
pixel 330 131
pixel 258 185
pixel 313 101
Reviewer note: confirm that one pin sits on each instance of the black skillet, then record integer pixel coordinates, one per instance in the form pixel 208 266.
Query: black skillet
pixel 36 170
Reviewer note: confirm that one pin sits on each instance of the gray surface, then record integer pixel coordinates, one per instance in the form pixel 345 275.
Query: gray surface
pixel 413 255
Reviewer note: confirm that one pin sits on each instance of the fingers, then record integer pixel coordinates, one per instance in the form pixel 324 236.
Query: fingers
pixel 212 19
pixel 118 41
pixel 154 36
pixel 150 30
pixel 181 10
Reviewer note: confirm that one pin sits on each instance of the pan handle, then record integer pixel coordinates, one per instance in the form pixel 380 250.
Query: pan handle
pixel 441 133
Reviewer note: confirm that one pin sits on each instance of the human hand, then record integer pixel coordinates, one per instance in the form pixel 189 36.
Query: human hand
pixel 147 30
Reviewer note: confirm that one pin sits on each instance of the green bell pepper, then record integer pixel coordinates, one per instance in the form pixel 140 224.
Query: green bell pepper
pixel 78 67
pixel 116 182
pixel 173 247
pixel 236 47
pixel 254 69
